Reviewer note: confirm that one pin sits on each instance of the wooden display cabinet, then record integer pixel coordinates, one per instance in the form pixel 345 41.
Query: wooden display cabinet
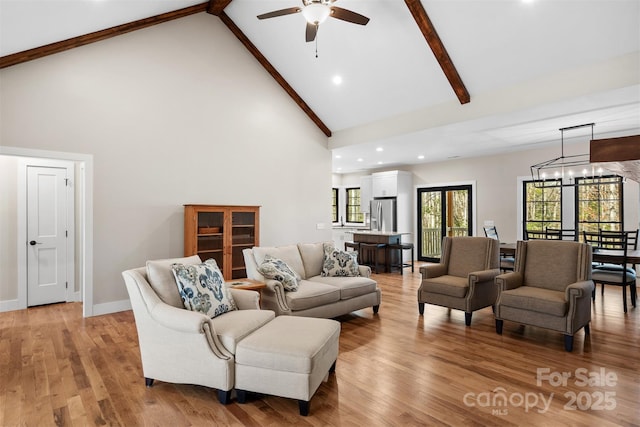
pixel 221 233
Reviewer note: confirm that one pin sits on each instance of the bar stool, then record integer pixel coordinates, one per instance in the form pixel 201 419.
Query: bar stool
pixel 370 253
pixel 400 247
pixel 353 245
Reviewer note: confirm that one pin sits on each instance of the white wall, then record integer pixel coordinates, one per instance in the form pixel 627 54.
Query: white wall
pixel 173 114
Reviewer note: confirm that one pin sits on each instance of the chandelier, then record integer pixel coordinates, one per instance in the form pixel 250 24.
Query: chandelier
pixel 563 170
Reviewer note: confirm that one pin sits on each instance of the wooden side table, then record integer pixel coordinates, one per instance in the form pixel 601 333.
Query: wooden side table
pixel 249 285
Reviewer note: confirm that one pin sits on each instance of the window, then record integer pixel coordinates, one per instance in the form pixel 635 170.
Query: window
pixel 334 205
pixel 542 205
pixel 599 204
pixel 353 205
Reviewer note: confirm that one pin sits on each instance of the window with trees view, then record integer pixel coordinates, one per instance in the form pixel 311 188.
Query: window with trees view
pixel 542 205
pixel 599 204
pixel 334 204
pixel 353 205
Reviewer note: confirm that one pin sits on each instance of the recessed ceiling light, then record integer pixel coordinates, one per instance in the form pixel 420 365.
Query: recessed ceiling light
pixel 337 80
pixel 379 163
pixel 421 157
pixel 361 159
pixel 379 149
pixel 338 156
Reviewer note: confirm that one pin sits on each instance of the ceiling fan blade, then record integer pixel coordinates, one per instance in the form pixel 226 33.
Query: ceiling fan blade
pixel 280 12
pixel 349 16
pixel 312 30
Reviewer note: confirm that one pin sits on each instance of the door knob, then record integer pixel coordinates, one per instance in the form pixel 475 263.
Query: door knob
pixel 33 242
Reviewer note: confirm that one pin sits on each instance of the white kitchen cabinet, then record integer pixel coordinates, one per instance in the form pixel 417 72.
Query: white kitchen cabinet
pixel 390 183
pixel 366 193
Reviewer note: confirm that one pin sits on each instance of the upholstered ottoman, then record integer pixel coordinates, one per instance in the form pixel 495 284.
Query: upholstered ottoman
pixel 287 357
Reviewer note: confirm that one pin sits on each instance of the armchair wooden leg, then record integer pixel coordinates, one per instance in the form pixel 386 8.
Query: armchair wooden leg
pixel 241 396
pixel 148 381
pixel 224 396
pixel 499 324
pixel 467 318
pixel 332 369
pixel 376 308
pixel 421 308
pixel 587 329
pixel 304 405
pixel 568 343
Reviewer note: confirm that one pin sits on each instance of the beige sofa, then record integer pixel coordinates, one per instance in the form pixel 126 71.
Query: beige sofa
pixel 316 296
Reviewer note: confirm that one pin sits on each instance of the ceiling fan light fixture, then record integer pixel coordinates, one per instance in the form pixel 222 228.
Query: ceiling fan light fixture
pixel 316 13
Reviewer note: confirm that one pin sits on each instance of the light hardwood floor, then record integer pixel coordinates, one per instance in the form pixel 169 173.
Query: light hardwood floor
pixel 394 368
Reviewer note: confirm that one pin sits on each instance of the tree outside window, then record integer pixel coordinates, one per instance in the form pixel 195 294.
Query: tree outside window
pixel 542 206
pixel 599 204
pixel 353 206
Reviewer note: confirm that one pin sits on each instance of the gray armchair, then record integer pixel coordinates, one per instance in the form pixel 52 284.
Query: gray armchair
pixel 464 278
pixel 550 288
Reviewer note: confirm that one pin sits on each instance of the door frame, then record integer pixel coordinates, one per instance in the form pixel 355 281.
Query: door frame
pixel 24 164
pixel 474 202
pixel 83 222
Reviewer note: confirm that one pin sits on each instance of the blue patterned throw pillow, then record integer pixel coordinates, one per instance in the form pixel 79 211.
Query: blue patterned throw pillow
pixel 339 263
pixel 202 288
pixel 276 269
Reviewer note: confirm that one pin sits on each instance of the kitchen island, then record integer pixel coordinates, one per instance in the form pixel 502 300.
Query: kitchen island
pixel 379 237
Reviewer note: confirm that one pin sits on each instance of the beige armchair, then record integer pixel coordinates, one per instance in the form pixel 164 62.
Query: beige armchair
pixel 550 288
pixel 464 278
pixel 183 346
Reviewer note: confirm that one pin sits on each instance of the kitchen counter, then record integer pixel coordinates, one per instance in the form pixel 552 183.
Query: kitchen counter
pixel 378 233
pixel 374 236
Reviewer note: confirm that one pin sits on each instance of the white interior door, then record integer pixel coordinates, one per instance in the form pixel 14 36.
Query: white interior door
pixel 46 235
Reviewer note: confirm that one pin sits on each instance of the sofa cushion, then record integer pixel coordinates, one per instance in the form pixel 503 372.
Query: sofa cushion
pixel 540 300
pixel 447 285
pixel 276 269
pixel 337 263
pixel 312 294
pixel 289 254
pixel 202 288
pixel 162 281
pixel 236 325
pixel 349 286
pixel 312 256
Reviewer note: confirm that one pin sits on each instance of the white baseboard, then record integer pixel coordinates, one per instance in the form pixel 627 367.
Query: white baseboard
pixel 111 307
pixel 9 305
pixel 98 309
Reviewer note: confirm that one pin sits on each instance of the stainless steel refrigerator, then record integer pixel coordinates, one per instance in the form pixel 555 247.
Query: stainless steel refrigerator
pixel 383 214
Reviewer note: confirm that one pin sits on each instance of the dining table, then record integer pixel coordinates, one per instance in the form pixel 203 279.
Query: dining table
pixel 613 256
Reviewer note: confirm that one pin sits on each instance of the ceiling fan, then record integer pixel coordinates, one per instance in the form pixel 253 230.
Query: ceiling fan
pixel 316 12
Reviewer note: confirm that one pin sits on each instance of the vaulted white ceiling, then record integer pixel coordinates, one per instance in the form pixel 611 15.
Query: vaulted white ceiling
pixel 530 68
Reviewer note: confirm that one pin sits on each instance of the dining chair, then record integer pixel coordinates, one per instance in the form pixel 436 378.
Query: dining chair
pixel 561 234
pixel 619 273
pixel 506 262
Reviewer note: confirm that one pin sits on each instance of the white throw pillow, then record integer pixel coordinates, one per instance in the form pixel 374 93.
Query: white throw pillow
pixel 202 288
pixel 339 263
pixel 276 269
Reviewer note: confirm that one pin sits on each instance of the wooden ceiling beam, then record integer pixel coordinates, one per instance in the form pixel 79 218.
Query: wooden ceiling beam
pixel 273 72
pixel 61 46
pixel 438 49
pixel 217 6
